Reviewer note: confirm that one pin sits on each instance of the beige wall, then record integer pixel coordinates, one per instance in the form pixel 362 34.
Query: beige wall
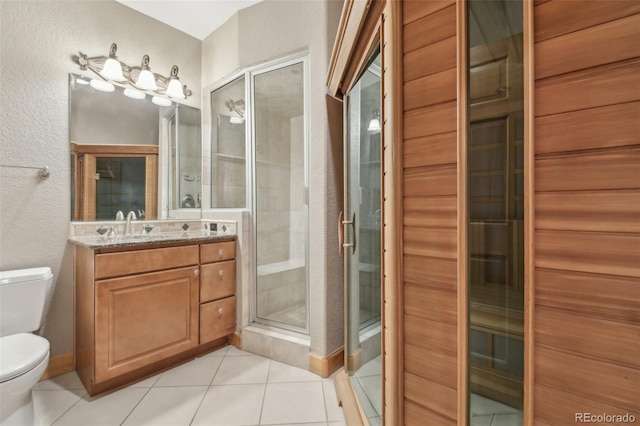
pixel 38 41
pixel 263 32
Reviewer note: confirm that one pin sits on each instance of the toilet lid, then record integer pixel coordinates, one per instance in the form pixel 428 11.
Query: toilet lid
pixel 20 353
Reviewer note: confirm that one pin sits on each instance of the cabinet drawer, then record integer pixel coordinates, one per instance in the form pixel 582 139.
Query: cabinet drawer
pixel 139 261
pixel 217 280
pixel 217 252
pixel 217 319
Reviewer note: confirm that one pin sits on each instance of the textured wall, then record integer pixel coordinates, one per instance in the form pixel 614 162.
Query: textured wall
pixel 38 41
pixel 266 31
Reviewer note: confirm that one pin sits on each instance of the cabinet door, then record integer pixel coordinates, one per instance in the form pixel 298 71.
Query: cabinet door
pixel 145 318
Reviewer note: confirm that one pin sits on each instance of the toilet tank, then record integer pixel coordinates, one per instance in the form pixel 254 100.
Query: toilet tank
pixel 25 295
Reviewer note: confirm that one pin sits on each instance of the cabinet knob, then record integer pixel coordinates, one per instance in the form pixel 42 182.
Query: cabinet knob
pixel 196 272
pixel 221 273
pixel 220 253
pixel 220 311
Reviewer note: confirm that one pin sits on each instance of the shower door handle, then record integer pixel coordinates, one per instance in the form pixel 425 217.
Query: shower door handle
pixel 341 223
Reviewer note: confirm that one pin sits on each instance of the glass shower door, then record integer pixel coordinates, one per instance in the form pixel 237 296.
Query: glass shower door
pixel 362 227
pixel 281 196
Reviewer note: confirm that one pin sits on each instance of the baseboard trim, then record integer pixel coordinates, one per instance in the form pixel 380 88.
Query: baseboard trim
pixel 352 411
pixel 326 366
pixel 59 365
pixel 235 339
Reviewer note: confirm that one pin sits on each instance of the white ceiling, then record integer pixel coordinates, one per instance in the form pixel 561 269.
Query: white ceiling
pixel 197 18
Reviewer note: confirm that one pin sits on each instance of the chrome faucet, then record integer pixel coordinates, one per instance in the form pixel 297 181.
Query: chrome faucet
pixel 127 227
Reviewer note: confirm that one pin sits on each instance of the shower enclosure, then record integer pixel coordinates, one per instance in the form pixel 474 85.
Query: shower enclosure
pixel 259 136
pixel 280 206
pixel 362 227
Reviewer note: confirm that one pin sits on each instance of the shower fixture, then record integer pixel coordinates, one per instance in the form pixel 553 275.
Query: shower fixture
pixel 238 108
pixel 137 80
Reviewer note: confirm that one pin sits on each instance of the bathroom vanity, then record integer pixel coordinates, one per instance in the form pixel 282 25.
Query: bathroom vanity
pixel 143 306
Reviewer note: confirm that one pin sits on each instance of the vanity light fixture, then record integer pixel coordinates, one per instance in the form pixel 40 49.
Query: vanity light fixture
pixel 160 101
pixel 134 94
pixel 101 85
pixel 112 68
pixel 140 79
pixel 146 80
pixel 238 108
pixel 374 124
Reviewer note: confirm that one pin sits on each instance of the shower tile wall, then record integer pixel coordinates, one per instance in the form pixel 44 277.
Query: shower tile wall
pixel 280 218
pixel 230 176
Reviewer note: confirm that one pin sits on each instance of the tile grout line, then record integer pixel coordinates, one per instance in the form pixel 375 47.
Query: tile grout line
pixel 264 394
pixel 195 413
pixel 136 406
pixel 67 410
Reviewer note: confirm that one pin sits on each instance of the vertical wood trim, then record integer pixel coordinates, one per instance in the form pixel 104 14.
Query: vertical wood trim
pixel 529 224
pixel 395 325
pixel 463 315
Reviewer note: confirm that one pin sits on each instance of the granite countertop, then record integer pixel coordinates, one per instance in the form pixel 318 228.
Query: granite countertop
pixel 138 240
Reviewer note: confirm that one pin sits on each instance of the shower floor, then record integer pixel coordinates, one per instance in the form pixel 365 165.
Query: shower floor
pixel 296 316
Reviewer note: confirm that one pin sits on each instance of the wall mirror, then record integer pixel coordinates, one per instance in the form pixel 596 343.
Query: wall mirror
pixel 131 154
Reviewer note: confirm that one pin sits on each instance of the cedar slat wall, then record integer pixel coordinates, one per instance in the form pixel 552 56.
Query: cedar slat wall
pixel 587 204
pixel 429 218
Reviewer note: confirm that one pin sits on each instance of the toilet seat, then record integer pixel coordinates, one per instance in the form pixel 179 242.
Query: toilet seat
pixel 20 353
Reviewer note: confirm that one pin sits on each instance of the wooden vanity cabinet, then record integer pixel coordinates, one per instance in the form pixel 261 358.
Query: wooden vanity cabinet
pixel 217 290
pixel 141 311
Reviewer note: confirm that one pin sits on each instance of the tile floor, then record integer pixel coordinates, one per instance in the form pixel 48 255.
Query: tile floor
pixel 227 387
pixel 367 384
pixel 487 412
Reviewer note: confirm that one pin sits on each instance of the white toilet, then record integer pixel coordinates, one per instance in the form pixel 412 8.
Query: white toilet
pixel 24 300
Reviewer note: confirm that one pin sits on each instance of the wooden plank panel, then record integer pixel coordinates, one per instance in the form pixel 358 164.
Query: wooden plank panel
pixel 594 87
pixel 430 59
pixel 432 304
pixel 616 341
pixel 560 408
pixel 602 44
pixel 412 10
pixel 415 415
pixel 604 127
pixel 437 273
pixel 427 181
pixel 430 90
pixel 430 120
pixel 430 29
pixel 431 365
pixel 433 335
pixel 430 211
pixel 430 242
pixel 616 169
pixel 604 211
pixel 556 18
pixel 599 253
pixel 441 399
pixel 602 295
pixel 590 378
pixel 432 150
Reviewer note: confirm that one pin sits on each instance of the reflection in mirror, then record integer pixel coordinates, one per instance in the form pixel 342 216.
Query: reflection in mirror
pixel 183 134
pixel 131 154
pixel 228 152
